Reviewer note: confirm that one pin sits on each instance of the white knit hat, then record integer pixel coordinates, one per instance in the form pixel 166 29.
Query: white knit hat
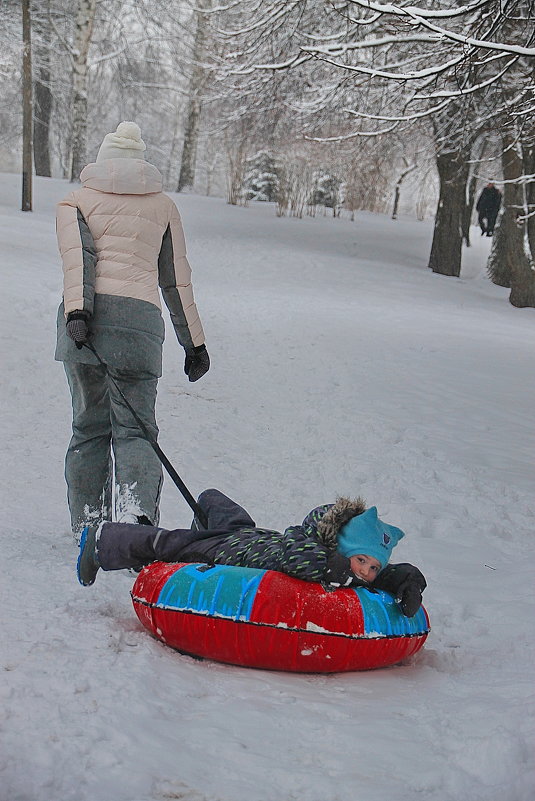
pixel 125 143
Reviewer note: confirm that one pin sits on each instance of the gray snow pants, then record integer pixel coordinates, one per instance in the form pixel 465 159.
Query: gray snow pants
pixel 106 441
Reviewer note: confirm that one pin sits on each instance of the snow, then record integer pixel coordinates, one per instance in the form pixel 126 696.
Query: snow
pixel 341 364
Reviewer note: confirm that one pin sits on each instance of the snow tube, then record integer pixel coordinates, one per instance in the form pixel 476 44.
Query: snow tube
pixel 264 619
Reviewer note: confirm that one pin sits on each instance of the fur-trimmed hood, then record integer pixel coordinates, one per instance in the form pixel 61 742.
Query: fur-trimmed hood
pixel 336 517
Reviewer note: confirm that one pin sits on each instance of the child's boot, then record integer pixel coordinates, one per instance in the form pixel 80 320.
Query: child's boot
pixel 88 565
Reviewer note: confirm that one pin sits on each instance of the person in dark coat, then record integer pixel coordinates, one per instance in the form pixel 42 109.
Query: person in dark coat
pixel 487 207
pixel 338 545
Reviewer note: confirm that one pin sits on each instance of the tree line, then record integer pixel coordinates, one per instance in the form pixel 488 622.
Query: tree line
pixel 308 103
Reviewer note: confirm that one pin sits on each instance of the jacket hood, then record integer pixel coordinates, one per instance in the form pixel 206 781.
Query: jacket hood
pixel 336 517
pixel 122 177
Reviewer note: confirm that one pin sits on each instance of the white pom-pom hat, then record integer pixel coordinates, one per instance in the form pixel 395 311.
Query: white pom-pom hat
pixel 125 143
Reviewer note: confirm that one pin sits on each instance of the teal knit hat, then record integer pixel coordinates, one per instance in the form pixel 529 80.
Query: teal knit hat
pixel 367 534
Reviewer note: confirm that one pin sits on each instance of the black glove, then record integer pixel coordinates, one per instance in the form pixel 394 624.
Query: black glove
pixel 406 583
pixel 338 572
pixel 77 327
pixel 197 362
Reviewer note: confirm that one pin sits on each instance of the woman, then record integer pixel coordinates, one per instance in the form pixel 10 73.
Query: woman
pixel 339 545
pixel 121 242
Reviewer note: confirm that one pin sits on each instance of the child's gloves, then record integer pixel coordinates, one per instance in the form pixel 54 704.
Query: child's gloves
pixel 338 572
pixel 406 583
pixel 197 362
pixel 409 597
pixel 77 328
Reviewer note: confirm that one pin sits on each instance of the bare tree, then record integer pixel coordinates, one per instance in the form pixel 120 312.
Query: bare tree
pixel 511 261
pixel 42 90
pixel 447 64
pixel 196 86
pixel 26 108
pixel 454 136
pixel 407 169
pixel 236 141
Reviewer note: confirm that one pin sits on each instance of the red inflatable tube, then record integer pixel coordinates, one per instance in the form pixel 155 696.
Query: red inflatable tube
pixel 264 619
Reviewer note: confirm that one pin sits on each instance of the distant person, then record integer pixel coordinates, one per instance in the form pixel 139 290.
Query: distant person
pixel 487 207
pixel 121 240
pixel 340 545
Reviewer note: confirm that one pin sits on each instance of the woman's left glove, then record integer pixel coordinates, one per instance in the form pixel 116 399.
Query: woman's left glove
pixel 406 583
pixel 197 362
pixel 77 327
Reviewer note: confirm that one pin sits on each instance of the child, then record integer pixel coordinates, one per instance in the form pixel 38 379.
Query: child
pixel 339 545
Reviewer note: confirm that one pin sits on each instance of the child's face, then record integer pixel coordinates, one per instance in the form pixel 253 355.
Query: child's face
pixel 365 567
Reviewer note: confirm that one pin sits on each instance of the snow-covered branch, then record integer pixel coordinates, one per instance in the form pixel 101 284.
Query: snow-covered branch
pixel 353 135
pixel 424 13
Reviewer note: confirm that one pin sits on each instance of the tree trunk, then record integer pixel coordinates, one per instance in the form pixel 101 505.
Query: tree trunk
pixel 186 178
pixel 26 108
pixel 396 202
pixel 468 209
pixel 236 160
pixel 518 256
pixel 41 122
pixel 528 157
pixel 84 30
pixel 397 191
pixel 41 91
pixel 445 257
pixel 498 268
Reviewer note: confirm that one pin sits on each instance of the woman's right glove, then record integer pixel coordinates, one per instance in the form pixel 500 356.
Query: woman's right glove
pixel 406 583
pixel 197 362
pixel 77 328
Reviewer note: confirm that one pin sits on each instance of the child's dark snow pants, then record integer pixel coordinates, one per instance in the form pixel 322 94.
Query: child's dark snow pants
pixel 124 545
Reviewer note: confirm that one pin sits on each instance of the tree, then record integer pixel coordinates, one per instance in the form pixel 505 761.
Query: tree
pixel 328 191
pixel 42 91
pixel 446 64
pixel 511 261
pixel 194 105
pixel 79 55
pixel 454 144
pixel 407 169
pixel 27 165
pixel 261 181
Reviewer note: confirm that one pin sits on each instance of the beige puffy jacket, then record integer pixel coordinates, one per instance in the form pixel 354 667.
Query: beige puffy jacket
pixel 121 236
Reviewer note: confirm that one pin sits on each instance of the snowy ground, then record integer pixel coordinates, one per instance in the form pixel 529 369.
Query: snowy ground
pixel 340 365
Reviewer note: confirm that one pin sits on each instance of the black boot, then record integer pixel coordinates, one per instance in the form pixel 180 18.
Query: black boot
pixel 88 565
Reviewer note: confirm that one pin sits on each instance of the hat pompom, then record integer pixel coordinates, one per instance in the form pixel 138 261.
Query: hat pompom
pixel 129 130
pixel 125 143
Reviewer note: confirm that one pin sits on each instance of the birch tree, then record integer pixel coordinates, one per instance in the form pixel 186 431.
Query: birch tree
pixel 194 104
pixel 79 54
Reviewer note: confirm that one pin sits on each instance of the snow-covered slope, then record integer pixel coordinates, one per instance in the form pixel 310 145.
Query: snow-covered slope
pixel 340 365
